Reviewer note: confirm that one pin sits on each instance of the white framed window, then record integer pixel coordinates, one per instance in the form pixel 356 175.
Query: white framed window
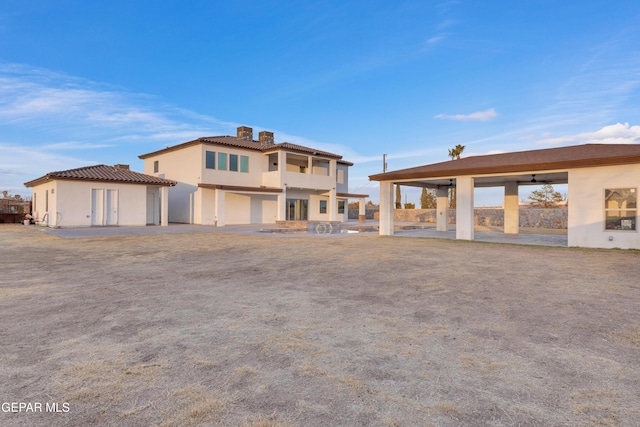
pixel 222 161
pixel 620 209
pixel 210 159
pixel 233 162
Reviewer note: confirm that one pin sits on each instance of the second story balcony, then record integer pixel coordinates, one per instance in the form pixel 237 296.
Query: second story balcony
pixel 300 172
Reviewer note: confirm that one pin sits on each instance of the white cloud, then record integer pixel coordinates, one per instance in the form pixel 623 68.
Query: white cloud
pixel 19 164
pixel 51 121
pixel 481 116
pixel 431 41
pixel 56 104
pixel 73 145
pixel 345 151
pixel 613 134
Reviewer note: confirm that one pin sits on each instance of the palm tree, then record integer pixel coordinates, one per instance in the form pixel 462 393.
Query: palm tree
pixel 454 153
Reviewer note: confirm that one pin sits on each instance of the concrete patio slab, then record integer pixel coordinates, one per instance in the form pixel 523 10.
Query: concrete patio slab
pixel 350 229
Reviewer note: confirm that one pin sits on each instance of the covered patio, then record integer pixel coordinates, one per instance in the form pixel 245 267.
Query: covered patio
pixel 590 171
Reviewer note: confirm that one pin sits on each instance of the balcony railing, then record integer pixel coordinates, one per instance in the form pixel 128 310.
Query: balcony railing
pixel 299 180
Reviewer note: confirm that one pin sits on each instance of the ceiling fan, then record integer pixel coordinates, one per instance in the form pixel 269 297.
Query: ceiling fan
pixel 534 181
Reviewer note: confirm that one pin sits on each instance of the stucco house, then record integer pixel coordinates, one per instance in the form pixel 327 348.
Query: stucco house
pixel 603 182
pixel 99 195
pixel 237 180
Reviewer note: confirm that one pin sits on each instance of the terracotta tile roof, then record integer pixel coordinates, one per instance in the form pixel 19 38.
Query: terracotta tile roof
pixel 300 149
pixel 577 156
pixel 102 173
pixel 232 141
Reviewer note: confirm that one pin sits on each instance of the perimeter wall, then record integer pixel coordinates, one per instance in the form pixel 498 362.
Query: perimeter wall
pixel 529 217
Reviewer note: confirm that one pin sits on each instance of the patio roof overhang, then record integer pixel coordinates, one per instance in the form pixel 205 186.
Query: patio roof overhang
pixel 549 165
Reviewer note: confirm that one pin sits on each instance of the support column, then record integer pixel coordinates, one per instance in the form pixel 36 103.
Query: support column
pixel 333 169
pixel 442 209
pixel 198 209
pixel 386 208
pixel 464 208
pixel 281 212
pixel 333 205
pixel 282 167
pixel 164 206
pixel 362 212
pixel 511 212
pixel 219 207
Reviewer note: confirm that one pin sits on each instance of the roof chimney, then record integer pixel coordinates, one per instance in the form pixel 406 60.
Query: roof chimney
pixel 121 167
pixel 245 133
pixel 265 138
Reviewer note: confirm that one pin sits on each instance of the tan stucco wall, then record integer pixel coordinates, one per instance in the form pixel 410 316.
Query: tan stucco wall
pixel 70 204
pixel 41 207
pixel 586 206
pixel 190 204
pixel 185 167
pixel 342 178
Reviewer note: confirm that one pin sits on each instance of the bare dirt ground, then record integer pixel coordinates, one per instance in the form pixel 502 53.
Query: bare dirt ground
pixel 219 329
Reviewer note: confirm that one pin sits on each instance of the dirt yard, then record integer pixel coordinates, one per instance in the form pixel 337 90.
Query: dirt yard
pixel 220 329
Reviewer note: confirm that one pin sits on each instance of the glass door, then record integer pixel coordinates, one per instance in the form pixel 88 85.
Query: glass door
pixel 297 209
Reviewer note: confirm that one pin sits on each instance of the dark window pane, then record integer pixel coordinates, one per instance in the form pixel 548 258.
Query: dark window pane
pixel 211 160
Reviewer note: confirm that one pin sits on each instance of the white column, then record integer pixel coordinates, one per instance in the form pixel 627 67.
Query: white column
pixel 219 207
pixel 164 207
pixel 282 167
pixel 198 207
pixel 464 208
pixel 511 212
pixel 442 209
pixel 281 212
pixel 362 212
pixel 333 205
pixel 310 165
pixel 386 208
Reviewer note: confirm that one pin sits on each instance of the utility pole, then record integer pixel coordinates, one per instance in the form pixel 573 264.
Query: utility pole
pixel 384 163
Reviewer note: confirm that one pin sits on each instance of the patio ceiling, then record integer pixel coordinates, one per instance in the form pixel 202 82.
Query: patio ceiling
pixel 541 178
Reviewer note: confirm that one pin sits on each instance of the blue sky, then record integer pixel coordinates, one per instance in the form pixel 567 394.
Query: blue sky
pixel 89 82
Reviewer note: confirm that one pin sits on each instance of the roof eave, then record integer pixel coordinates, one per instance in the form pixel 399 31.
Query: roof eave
pixel 37 181
pixel 172 148
pixel 49 178
pixel 570 164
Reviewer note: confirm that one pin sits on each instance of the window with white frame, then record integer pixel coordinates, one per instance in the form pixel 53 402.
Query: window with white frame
pixel 222 161
pixel 323 206
pixel 620 208
pixel 233 162
pixel 210 159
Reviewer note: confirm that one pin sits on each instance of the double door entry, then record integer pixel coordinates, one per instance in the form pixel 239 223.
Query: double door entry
pixel 297 210
pixel 104 207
